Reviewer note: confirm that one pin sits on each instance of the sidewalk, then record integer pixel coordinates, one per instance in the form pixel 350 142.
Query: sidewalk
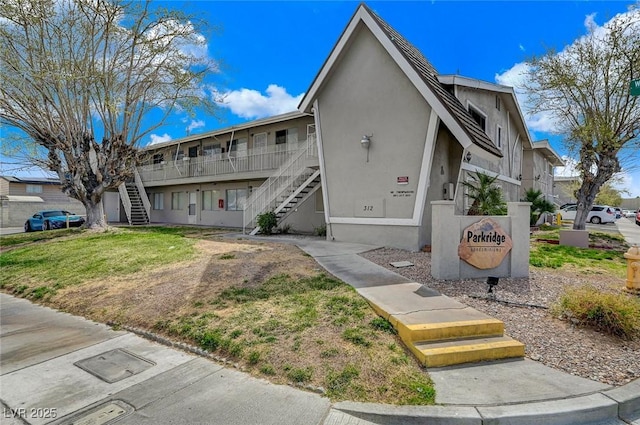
pixel 42 352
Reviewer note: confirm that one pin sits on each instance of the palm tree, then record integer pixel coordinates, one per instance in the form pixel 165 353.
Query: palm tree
pixel 487 197
pixel 539 205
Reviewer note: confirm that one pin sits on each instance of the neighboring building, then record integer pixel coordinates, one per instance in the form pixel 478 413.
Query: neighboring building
pixel 538 170
pixel 21 197
pixel 565 189
pixel 379 136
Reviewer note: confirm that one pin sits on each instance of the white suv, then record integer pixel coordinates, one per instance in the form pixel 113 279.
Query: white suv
pixel 599 214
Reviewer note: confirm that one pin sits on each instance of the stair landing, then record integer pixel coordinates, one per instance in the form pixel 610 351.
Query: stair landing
pixel 439 330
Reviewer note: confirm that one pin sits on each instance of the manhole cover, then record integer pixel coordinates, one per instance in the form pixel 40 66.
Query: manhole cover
pixel 103 414
pixel 114 365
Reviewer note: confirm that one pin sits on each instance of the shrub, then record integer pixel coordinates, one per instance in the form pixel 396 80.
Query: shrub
pixel 320 231
pixel 267 221
pixel 617 314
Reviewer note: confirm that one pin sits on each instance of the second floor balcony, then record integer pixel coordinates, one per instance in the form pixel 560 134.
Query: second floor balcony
pixel 231 165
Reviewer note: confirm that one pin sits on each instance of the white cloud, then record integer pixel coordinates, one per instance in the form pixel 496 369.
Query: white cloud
pixel 155 139
pixel 569 169
pixel 251 104
pixel 194 124
pixel 516 75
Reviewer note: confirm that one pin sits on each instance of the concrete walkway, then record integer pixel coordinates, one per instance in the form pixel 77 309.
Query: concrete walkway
pixel 84 372
pixel 629 229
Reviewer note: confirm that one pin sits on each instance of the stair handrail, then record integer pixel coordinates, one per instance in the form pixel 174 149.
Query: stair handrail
pixel 143 194
pixel 126 201
pixel 262 198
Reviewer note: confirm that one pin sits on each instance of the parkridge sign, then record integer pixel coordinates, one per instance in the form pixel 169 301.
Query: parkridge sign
pixel 484 244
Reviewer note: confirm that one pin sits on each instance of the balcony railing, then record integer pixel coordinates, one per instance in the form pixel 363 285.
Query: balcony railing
pixel 259 159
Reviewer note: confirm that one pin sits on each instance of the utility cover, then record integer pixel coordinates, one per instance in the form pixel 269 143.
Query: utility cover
pixel 400 264
pixel 114 365
pixel 105 413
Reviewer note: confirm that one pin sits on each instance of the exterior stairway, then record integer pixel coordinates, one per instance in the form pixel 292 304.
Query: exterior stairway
pixel 138 215
pixel 292 184
pixel 135 202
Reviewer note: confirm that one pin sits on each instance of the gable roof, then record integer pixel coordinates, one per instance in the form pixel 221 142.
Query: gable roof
pixel 512 100
pixel 419 70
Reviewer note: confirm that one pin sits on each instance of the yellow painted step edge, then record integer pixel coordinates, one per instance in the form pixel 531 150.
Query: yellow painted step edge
pixel 447 356
pixel 448 330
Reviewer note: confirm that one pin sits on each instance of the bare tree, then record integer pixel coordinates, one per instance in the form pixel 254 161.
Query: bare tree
pixel 79 77
pixel 586 88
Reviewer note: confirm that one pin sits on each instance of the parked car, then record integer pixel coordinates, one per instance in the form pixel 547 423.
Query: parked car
pixel 599 214
pixel 638 217
pixel 629 213
pixel 52 219
pixel 618 212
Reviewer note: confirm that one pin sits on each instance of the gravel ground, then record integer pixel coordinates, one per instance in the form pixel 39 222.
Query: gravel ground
pixel 555 343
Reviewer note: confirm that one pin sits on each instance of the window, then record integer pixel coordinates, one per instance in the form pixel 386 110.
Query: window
pixel 236 198
pixel 237 147
pixel 178 156
pixel 260 141
pixel 158 158
pixel 319 201
pixel 213 150
pixel 210 200
pixel 177 201
pixel 478 117
pixel 34 188
pixel 289 135
pixel 499 136
pixel 497 102
pixel 158 201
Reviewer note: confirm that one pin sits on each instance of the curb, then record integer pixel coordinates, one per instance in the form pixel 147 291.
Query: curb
pixel 619 405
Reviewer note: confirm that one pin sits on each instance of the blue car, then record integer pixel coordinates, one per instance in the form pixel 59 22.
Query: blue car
pixel 52 219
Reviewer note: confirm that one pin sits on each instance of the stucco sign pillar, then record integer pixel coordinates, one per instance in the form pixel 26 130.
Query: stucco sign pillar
pixel 474 247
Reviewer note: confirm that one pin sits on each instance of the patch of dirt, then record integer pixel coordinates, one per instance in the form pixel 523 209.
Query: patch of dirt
pixel 144 298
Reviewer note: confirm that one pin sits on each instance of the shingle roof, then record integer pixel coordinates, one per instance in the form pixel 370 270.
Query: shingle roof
pixel 429 75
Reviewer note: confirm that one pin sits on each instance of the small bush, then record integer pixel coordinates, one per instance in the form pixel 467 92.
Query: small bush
pixel 300 375
pixel 616 314
pixel 254 357
pixel 268 370
pixel 285 229
pixel 383 325
pixel 267 221
pixel 320 231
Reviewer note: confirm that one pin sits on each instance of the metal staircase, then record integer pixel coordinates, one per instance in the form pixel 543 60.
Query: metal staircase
pixel 292 184
pixel 135 201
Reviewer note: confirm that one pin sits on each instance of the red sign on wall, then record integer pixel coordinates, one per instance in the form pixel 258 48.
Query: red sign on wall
pixel 403 180
pixel 221 204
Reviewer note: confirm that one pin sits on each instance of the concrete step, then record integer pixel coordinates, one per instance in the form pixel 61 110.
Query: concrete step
pixel 434 330
pixel 466 350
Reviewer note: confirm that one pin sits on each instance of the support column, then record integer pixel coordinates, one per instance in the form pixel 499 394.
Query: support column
pixel 519 214
pixel 445 263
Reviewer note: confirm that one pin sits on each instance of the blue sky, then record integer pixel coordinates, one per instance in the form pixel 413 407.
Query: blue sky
pixel 271 51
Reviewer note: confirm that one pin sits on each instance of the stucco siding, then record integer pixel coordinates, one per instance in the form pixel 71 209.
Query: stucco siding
pixel 402 237
pixel 368 94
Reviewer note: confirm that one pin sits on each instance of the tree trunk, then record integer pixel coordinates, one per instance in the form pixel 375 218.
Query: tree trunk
pixel 96 219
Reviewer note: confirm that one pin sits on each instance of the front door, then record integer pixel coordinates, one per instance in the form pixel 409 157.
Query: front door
pixel 193 196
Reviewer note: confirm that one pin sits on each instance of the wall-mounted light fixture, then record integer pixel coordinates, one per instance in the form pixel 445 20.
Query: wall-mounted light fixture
pixel 519 177
pixel 538 177
pixel 365 142
pixel 442 170
pixel 467 157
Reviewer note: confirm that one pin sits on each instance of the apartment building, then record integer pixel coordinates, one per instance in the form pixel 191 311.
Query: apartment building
pixel 379 135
